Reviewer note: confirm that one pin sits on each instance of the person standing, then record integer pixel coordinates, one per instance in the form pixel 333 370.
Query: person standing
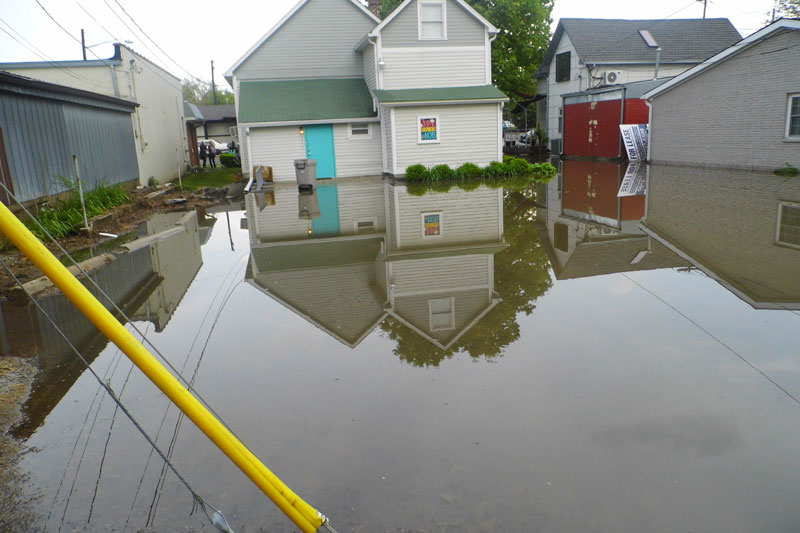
pixel 212 155
pixel 203 153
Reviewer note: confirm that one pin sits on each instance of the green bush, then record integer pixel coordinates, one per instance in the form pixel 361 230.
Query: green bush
pixel 417 173
pixel 442 173
pixel 517 166
pixel 416 188
pixel 495 170
pixel 442 185
pixel 230 160
pixel 469 171
pixel 470 184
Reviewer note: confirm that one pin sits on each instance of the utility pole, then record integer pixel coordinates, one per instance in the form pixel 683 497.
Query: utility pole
pixel 83 45
pixel 213 87
pixel 705 2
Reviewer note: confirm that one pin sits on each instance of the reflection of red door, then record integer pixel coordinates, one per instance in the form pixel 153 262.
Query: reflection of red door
pixel 191 134
pixel 5 173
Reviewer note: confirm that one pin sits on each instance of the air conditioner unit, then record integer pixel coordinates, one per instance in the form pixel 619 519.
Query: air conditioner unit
pixel 612 77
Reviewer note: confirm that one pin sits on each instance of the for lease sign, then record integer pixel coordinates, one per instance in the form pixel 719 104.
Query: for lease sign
pixel 634 136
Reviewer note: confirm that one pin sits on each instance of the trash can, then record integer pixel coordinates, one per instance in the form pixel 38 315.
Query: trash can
pixel 306 172
pixel 308 205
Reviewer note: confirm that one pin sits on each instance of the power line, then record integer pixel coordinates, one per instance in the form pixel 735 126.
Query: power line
pixel 65 30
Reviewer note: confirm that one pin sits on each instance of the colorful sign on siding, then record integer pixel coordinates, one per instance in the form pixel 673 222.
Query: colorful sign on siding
pixel 428 129
pixel 431 224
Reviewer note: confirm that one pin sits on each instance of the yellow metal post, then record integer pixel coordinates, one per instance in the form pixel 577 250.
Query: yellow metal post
pixel 301 513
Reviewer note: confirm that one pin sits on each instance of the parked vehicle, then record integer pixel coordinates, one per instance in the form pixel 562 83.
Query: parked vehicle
pixel 527 137
pixel 220 148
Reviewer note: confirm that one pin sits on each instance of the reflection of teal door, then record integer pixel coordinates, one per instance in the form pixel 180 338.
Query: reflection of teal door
pixel 327 225
pixel 319 146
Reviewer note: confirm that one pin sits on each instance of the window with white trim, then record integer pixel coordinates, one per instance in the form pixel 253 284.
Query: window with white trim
pixel 788 231
pixel 359 130
pixel 441 312
pixel 793 117
pixel 365 225
pixel 432 20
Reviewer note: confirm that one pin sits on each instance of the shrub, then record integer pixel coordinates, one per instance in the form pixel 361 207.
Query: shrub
pixel 442 185
pixel 417 173
pixel 543 172
pixel 517 166
pixel 416 188
pixel 787 171
pixel 442 173
pixel 469 171
pixel 495 170
pixel 230 160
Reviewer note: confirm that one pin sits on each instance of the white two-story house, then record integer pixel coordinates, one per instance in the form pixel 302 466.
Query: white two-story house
pixel 334 83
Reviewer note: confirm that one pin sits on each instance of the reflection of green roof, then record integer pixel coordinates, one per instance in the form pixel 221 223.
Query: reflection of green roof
pixel 291 100
pixel 439 94
pixel 316 254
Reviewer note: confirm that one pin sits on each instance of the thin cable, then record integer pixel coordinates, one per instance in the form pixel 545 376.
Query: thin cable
pixel 721 343
pixel 197 498
pixel 65 30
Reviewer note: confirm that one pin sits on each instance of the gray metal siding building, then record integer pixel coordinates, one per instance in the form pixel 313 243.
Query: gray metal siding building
pixel 44 127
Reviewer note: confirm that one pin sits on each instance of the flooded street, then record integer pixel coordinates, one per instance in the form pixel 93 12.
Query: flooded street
pixel 553 359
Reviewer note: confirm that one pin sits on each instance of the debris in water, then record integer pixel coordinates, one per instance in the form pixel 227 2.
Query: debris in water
pixel 219 522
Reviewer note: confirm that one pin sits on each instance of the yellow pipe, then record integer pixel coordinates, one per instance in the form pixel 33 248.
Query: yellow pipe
pixel 301 513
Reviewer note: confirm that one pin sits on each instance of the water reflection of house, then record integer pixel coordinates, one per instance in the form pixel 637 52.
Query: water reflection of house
pixel 151 278
pixel 377 251
pixel 588 230
pixel 740 228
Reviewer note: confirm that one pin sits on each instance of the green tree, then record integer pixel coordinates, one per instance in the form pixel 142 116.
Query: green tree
pixel 521 274
pixel 199 92
pixel 521 44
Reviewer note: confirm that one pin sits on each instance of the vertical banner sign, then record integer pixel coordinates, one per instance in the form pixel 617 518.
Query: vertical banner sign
pixel 432 224
pixel 635 138
pixel 635 181
pixel 428 129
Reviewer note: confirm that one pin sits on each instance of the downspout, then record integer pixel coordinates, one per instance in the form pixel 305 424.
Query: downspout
pixel 114 80
pixel 649 105
pixel 622 120
pixel 134 94
pixel 658 61
pixel 373 41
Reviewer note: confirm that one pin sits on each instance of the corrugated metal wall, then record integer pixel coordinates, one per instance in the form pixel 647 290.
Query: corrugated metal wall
pixel 42 135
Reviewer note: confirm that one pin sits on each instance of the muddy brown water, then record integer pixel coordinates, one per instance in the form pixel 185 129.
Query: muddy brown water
pixel 562 359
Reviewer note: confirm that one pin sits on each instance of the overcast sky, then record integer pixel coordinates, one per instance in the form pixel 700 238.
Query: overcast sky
pixel 184 37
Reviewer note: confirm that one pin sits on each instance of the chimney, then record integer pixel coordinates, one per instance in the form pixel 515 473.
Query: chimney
pixel 375 7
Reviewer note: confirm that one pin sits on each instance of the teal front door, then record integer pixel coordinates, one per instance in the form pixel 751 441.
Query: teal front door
pixel 327 225
pixel 319 146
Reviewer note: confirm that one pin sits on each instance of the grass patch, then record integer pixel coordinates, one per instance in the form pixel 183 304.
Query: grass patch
pixel 216 177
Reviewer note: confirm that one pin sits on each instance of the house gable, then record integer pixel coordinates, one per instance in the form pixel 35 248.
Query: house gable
pixel 462 28
pixel 317 39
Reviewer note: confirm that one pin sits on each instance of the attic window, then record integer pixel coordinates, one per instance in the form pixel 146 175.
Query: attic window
pixel 563 64
pixel 441 313
pixel 432 20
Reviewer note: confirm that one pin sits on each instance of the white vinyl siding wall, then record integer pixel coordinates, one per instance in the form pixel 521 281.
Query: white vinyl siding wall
pixel 370 76
pixel 462 29
pixel 410 68
pixel 427 275
pixel 279 222
pixel 277 147
pixel 317 41
pixel 467 217
pixel 469 133
pixel 360 200
pixel 357 156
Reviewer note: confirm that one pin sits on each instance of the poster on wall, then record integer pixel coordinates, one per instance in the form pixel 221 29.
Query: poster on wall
pixel 431 224
pixel 635 138
pixel 428 129
pixel 634 183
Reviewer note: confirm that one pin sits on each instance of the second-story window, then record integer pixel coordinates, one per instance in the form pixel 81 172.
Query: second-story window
pixel 793 117
pixel 562 66
pixel 432 20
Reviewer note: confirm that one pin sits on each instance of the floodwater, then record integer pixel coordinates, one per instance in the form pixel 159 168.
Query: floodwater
pixel 557 359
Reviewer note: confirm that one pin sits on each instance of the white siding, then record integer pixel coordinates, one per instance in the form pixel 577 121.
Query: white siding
pixel 409 68
pixel 279 222
pixel 462 29
pixel 441 274
pixel 277 148
pixel 469 133
pixel 357 156
pixel 370 76
pixel 387 136
pixel 360 199
pixel 317 41
pixel 467 217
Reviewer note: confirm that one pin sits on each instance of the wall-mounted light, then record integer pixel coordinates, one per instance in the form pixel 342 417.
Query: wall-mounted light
pixel 381 63
pixel 302 130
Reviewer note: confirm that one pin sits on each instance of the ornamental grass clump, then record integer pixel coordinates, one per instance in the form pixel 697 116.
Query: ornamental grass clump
pixel 417 173
pixel 469 171
pixel 442 173
pixel 495 170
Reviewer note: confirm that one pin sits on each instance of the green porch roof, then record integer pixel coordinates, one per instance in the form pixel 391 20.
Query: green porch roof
pixel 439 94
pixel 297 100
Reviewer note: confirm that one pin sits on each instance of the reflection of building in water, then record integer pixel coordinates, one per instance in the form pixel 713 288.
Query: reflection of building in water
pixel 360 250
pixel 153 277
pixel 591 231
pixel 740 228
